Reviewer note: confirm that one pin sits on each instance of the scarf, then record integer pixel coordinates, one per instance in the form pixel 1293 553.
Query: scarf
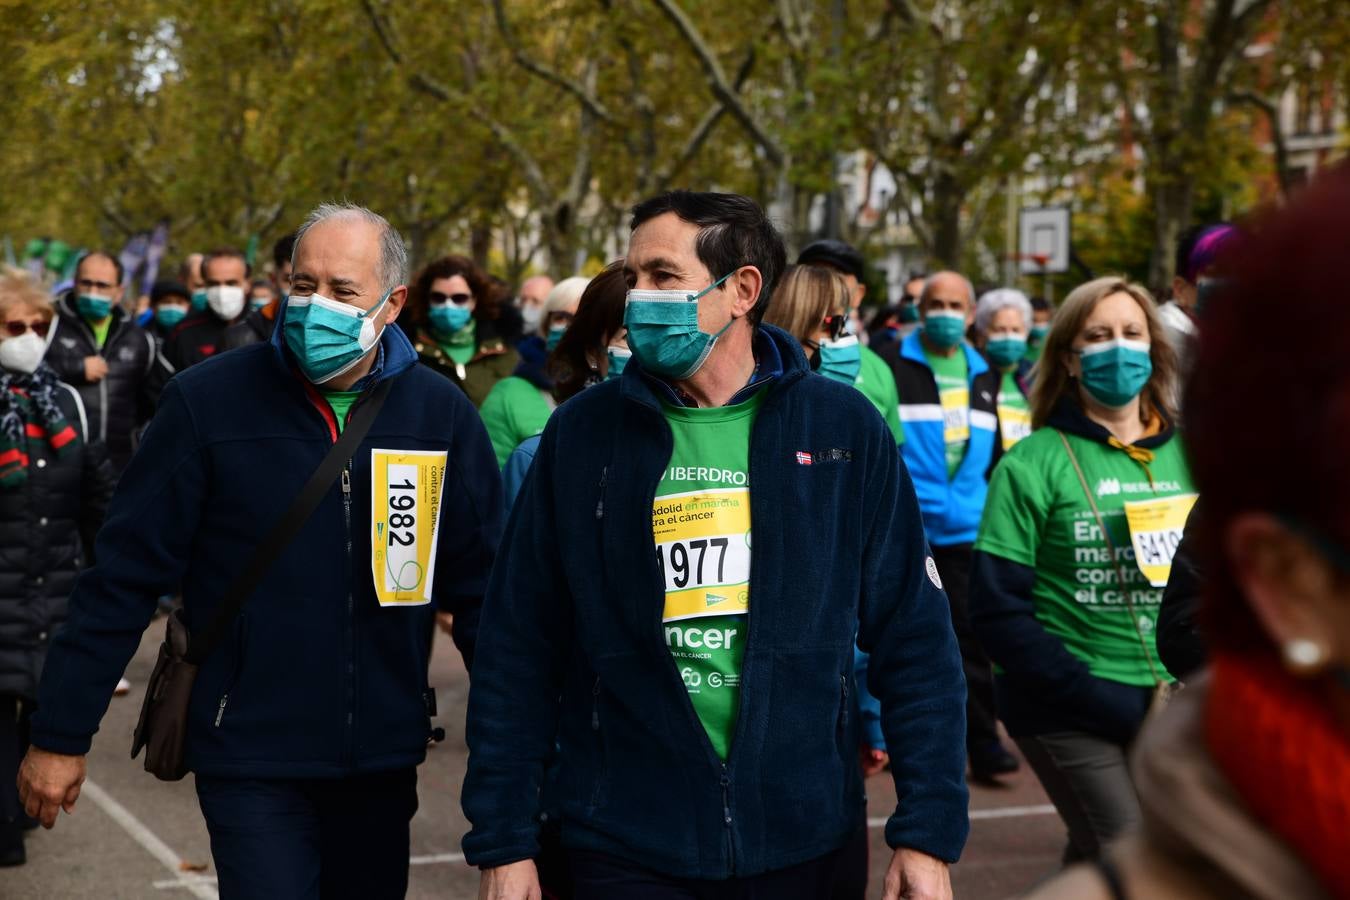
pixel 461 345
pixel 28 410
pixel 1278 745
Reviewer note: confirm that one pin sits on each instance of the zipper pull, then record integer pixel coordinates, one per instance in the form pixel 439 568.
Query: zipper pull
pixel 220 713
pixel 595 706
pixel 600 506
pixel 346 482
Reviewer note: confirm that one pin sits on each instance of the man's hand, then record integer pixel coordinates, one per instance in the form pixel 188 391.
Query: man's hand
pixel 95 369
pixel 513 881
pixel 872 761
pixel 917 876
pixel 48 783
pixel 446 622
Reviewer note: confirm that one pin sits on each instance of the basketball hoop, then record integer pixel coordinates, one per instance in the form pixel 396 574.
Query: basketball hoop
pixel 1040 259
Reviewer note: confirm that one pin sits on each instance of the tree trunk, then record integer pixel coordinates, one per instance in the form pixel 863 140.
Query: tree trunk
pixel 480 242
pixel 1173 200
pixel 945 220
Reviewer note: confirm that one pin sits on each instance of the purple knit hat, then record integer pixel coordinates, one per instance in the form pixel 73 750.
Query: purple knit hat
pixel 1206 249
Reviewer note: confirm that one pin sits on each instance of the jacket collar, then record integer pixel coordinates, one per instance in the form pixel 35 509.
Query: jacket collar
pixel 912 349
pixel 1068 416
pixel 533 365
pixel 394 356
pixel 779 361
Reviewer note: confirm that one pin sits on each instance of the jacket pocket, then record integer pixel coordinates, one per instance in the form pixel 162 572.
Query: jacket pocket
pixel 236 666
pixel 598 789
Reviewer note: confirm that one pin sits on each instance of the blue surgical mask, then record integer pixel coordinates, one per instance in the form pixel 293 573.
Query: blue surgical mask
pixel 618 360
pixel 329 338
pixel 555 335
pixel 447 318
pixel 945 329
pixel 1006 350
pixel 169 316
pixel 1038 332
pixel 259 302
pixel 663 331
pixel 199 300
pixel 94 307
pixel 841 359
pixel 1114 372
pixel 909 312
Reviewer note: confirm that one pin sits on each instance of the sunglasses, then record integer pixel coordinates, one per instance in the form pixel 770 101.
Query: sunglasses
pixel 437 298
pixel 15 329
pixel 836 325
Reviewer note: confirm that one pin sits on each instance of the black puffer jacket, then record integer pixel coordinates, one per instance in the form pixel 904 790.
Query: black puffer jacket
pixel 118 405
pixel 46 524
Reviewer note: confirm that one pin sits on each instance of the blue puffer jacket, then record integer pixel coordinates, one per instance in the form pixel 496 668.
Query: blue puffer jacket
pixel 317 679
pixel 571 647
pixel 951 506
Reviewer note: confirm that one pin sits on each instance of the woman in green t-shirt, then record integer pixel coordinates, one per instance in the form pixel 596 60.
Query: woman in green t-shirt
pixel 1002 323
pixel 1074 549
pixel 454 310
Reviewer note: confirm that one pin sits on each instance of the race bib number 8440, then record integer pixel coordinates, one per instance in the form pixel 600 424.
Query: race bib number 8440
pixel 405 507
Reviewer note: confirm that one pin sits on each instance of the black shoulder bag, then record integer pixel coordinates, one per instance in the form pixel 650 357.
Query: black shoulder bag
pixel 162 726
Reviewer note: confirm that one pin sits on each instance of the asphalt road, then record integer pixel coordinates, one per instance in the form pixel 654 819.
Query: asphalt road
pixel 132 836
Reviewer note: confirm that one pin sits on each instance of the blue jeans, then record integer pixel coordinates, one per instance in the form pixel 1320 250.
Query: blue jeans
pixel 310 838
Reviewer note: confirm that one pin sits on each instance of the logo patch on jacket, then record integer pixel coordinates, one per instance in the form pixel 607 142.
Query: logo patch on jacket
pixel 804 458
pixel 823 457
pixel 931 565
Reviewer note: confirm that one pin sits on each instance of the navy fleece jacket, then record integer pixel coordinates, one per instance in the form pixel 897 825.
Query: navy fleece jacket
pixel 317 679
pixel 571 652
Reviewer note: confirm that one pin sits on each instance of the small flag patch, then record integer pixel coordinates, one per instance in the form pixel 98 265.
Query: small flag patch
pixel 804 458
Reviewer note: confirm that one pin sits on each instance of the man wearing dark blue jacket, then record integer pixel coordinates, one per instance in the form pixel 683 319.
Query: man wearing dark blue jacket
pixel 306 724
pixel 678 695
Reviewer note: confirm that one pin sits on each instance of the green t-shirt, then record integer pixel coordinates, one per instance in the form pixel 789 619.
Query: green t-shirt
pixel 953 384
pixel 514 410
pixel 341 403
pixel 1014 415
pixel 100 327
pixel 1037 515
pixel 701 523
pixel 877 384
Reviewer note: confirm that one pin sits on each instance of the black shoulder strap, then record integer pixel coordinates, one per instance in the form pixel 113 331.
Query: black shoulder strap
pixel 286 528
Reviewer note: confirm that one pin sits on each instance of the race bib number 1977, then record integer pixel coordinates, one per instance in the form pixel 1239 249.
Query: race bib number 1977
pixel 405 507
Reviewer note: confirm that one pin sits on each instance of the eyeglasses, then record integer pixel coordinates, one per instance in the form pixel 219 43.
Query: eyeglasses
pixel 15 329
pixel 89 283
pixel 437 298
pixel 560 317
pixel 836 325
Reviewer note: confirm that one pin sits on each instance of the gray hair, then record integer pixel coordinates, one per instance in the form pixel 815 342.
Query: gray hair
pixel 393 252
pixel 1000 299
pixel 928 286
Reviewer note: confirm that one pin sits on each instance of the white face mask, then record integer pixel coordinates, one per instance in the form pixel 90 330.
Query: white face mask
pixel 532 315
pixel 226 301
pixel 22 353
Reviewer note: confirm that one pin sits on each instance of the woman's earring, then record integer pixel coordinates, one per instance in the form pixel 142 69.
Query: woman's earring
pixel 1303 655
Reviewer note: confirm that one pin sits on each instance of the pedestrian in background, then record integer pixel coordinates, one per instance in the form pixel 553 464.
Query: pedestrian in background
pixel 518 406
pixel 265 299
pixel 454 312
pixel 1071 558
pixel 225 276
pixel 55 482
pixel 1003 320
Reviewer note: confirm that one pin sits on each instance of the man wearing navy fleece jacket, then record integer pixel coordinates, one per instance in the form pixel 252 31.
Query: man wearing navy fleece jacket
pixel 307 723
pixel 679 695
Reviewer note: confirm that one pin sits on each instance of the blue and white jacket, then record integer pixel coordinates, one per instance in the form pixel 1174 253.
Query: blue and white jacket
pixel 951 507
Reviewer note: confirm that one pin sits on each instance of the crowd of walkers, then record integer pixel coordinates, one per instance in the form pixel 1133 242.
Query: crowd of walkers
pixel 975 525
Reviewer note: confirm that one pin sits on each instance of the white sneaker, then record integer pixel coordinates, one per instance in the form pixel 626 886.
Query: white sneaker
pixel 123 687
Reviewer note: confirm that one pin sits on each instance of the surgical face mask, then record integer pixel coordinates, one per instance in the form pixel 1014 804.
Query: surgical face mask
pixel 169 316
pixel 1114 372
pixel 555 336
pixel 199 301
pixel 327 337
pixel 1039 331
pixel 532 315
pixel 259 302
pixel 618 360
pixel 945 329
pixel 22 353
pixel 94 307
pixel 1006 349
pixel 663 331
pixel 225 300
pixel 447 318
pixel 841 359
pixel 909 312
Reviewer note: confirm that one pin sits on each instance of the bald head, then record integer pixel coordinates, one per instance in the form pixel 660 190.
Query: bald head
pixel 535 290
pixel 947 290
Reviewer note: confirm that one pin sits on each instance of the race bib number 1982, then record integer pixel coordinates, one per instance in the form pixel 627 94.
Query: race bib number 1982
pixel 405 506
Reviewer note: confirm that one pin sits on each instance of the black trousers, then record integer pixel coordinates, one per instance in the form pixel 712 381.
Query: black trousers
pixel 14 715
pixel 953 565
pixel 310 839
pixel 840 875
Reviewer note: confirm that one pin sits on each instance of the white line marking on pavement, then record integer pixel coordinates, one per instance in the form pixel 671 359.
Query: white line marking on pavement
pixel 145 837
pixel 436 859
pixel 998 812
